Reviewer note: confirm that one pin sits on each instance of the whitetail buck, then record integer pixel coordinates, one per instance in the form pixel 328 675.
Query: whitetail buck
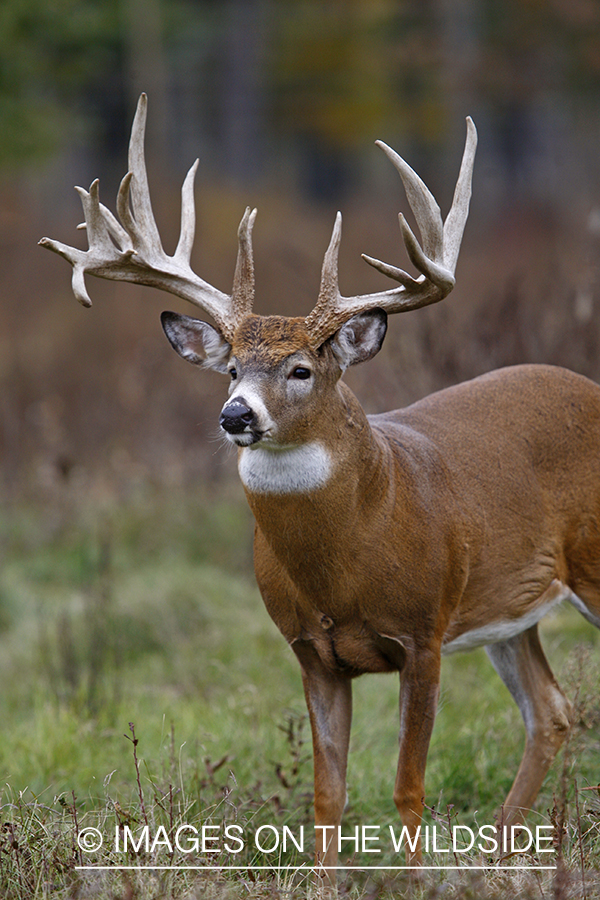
pixel 383 542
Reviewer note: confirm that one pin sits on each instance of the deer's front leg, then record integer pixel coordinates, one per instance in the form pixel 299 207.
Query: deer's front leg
pixel 419 691
pixel 329 701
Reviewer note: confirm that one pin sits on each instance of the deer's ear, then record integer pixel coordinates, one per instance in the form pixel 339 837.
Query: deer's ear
pixel 360 338
pixel 196 341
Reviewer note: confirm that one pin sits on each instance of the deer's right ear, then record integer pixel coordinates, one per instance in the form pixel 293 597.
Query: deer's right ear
pixel 196 341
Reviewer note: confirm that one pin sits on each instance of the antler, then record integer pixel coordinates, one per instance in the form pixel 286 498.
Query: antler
pixel 131 250
pixel 436 260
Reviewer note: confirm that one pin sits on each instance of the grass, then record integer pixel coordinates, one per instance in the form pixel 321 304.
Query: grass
pixel 145 611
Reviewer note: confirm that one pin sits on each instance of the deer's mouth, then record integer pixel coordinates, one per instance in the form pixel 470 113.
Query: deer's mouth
pixel 246 438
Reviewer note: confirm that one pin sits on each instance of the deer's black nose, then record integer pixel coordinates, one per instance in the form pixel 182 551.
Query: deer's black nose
pixel 235 417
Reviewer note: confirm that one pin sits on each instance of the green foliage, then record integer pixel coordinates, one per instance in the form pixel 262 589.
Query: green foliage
pixel 51 51
pixel 331 73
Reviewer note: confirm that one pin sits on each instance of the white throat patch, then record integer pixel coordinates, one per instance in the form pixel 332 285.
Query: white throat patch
pixel 291 470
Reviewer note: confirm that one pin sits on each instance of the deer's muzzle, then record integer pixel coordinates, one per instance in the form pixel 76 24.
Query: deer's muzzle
pixel 236 417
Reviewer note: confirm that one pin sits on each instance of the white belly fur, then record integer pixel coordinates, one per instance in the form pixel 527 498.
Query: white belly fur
pixel 292 470
pixel 503 630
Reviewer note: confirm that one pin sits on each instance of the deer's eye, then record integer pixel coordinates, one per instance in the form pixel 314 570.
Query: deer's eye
pixel 301 372
pixel 233 373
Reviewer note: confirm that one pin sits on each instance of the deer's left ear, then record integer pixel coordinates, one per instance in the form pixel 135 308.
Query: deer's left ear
pixel 360 338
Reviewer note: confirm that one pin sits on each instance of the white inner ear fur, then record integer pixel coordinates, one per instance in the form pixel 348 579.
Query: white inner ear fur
pixel 360 338
pixel 217 350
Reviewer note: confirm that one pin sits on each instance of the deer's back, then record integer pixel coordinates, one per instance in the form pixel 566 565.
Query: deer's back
pixel 534 419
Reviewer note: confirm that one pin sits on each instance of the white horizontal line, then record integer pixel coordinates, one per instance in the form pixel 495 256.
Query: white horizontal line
pixel 307 868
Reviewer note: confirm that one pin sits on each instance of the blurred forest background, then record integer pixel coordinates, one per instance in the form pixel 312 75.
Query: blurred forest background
pixel 282 100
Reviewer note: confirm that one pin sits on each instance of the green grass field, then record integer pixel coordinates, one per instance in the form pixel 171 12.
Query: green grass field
pixel 145 611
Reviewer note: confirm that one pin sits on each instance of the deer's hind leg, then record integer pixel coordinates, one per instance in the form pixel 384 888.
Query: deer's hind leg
pixel 583 559
pixel 521 664
pixel 586 600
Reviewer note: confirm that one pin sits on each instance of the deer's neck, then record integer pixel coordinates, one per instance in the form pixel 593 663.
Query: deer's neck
pixel 316 489
pixel 309 465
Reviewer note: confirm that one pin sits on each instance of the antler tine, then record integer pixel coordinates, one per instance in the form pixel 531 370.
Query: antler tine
pixel 131 250
pixel 138 187
pixel 329 273
pixel 422 202
pixel 242 295
pixel 436 261
pixel 188 217
pixel 456 219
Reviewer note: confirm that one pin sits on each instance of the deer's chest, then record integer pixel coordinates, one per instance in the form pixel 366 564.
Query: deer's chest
pixel 356 626
pixel 354 649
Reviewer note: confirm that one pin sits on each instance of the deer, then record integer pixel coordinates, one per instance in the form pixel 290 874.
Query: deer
pixel 383 542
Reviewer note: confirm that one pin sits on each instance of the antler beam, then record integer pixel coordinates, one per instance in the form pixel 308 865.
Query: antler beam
pixel 131 250
pixel 436 261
